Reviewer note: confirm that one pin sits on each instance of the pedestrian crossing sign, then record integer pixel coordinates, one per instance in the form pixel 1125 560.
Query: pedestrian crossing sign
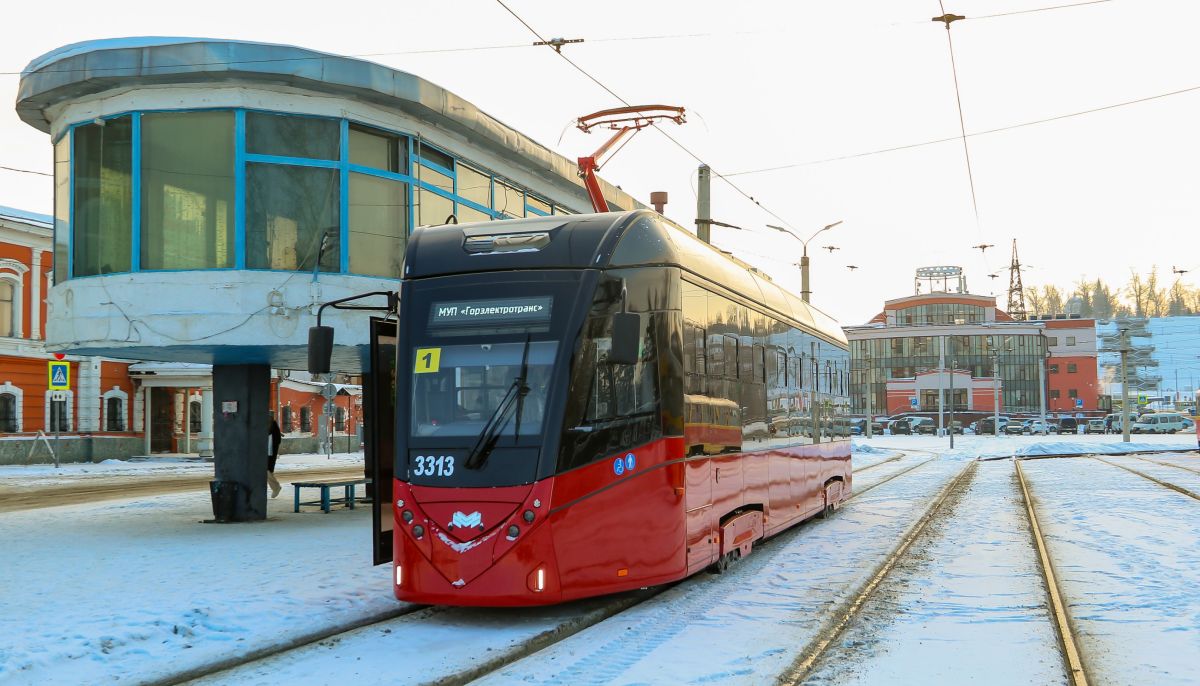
pixel 60 376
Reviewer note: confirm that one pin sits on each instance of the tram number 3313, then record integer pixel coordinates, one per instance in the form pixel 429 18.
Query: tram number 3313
pixel 434 465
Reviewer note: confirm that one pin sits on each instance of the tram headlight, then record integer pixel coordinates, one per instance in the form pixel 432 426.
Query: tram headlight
pixel 528 516
pixel 537 580
pixel 418 531
pixel 399 575
pixel 514 531
pixel 407 516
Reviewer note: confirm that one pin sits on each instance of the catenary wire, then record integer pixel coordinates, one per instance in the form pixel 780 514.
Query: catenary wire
pixel 668 136
pixel 962 124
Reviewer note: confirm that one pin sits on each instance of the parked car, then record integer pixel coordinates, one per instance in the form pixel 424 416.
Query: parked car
pixel 1188 424
pixel 986 425
pixel 1158 423
pixel 1015 427
pixel 1095 426
pixel 1068 425
pixel 908 424
pixel 1035 427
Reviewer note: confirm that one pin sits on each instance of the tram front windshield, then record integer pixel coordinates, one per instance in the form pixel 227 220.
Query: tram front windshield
pixel 457 389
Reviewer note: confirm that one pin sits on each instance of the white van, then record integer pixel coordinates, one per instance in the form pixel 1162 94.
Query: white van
pixel 1158 423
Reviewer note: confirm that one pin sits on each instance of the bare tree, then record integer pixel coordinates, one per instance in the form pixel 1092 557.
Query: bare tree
pixel 1137 292
pixel 1156 296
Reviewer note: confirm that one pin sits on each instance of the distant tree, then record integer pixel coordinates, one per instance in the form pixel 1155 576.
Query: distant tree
pixel 1104 303
pixel 1181 300
pixel 1156 296
pixel 1054 299
pixel 1034 302
pixel 1083 291
pixel 1138 294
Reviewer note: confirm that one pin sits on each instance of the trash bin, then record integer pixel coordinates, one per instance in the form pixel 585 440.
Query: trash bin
pixel 224 499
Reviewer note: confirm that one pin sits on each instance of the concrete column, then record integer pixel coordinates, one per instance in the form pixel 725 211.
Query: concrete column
pixel 241 424
pixel 146 422
pixel 35 295
pixel 205 440
pixel 88 395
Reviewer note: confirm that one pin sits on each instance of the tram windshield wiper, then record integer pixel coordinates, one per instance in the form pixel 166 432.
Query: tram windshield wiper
pixel 513 400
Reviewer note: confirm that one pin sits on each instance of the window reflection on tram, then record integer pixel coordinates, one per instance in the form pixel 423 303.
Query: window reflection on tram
pixel 470 383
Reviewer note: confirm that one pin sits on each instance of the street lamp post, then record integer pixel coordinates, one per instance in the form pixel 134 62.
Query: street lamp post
pixel 804 290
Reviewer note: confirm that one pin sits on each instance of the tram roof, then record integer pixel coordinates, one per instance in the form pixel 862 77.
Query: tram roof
pixel 600 241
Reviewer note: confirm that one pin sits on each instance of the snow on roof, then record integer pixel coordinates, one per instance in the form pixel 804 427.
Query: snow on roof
pixel 26 216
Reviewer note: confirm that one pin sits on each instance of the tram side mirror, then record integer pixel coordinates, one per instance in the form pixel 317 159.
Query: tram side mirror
pixel 320 349
pixel 626 338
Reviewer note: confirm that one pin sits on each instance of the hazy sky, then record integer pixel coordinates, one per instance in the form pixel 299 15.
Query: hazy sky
pixel 790 84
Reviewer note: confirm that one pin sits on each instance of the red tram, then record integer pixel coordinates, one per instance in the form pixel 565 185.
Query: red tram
pixel 588 404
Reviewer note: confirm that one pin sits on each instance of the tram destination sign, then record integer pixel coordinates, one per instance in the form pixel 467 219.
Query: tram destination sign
pixel 491 312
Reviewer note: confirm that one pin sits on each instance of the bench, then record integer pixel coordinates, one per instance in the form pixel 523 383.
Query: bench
pixel 325 486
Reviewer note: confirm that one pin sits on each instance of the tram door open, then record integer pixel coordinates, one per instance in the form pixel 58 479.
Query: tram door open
pixel 379 389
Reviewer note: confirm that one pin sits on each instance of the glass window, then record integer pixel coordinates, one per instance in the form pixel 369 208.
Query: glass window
pixel 474 186
pixel 187 190
pixel 305 420
pixel 1072 368
pixel 374 149
pixel 103 215
pixel 475 381
pixel 291 217
pixel 470 214
pixel 509 201
pixel 536 206
pixel 436 156
pixel 1073 393
pixel 291 136
pixel 1054 393
pixel 287 419
pixel 114 414
pixel 339 419
pixel 1070 340
pixel 434 209
pixel 1051 340
pixel 62 206
pixel 58 420
pixel 378 225
pixel 8 307
pixel 1053 369
pixel 8 413
pixel 195 414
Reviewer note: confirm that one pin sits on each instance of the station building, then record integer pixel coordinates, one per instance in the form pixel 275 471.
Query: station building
pixel 211 194
pixel 944 346
pixel 117 409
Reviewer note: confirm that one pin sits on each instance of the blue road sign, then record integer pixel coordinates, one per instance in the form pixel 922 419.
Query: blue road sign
pixel 1078 402
pixel 60 376
pixel 619 466
pixel 912 402
pixel 630 462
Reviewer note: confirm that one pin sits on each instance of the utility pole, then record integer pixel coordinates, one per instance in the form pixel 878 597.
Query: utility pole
pixel 870 391
pixel 953 364
pixel 941 386
pixel 1042 380
pixel 1124 385
pixel 996 392
pixel 704 204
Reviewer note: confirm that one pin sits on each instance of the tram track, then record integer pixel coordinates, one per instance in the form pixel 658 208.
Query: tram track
pixel 1167 464
pixel 846 612
pixel 1062 622
pixel 1160 482
pixel 411 618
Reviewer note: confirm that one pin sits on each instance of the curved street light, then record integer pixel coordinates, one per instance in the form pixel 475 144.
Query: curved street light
pixel 804 290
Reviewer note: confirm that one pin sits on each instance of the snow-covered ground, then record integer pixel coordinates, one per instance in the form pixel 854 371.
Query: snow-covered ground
pixel 971 447
pixel 138 590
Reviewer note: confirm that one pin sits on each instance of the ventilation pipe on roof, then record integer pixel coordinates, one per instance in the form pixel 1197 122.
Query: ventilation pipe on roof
pixel 659 200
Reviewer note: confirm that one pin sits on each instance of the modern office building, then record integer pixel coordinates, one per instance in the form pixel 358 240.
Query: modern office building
pixel 943 346
pixel 211 194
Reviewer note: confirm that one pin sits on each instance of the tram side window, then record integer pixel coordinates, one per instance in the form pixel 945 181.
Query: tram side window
pixel 611 407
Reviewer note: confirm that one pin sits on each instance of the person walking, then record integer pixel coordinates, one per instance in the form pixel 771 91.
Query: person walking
pixel 272 455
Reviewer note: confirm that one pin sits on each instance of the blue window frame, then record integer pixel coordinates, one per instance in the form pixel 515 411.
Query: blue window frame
pixel 415 155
